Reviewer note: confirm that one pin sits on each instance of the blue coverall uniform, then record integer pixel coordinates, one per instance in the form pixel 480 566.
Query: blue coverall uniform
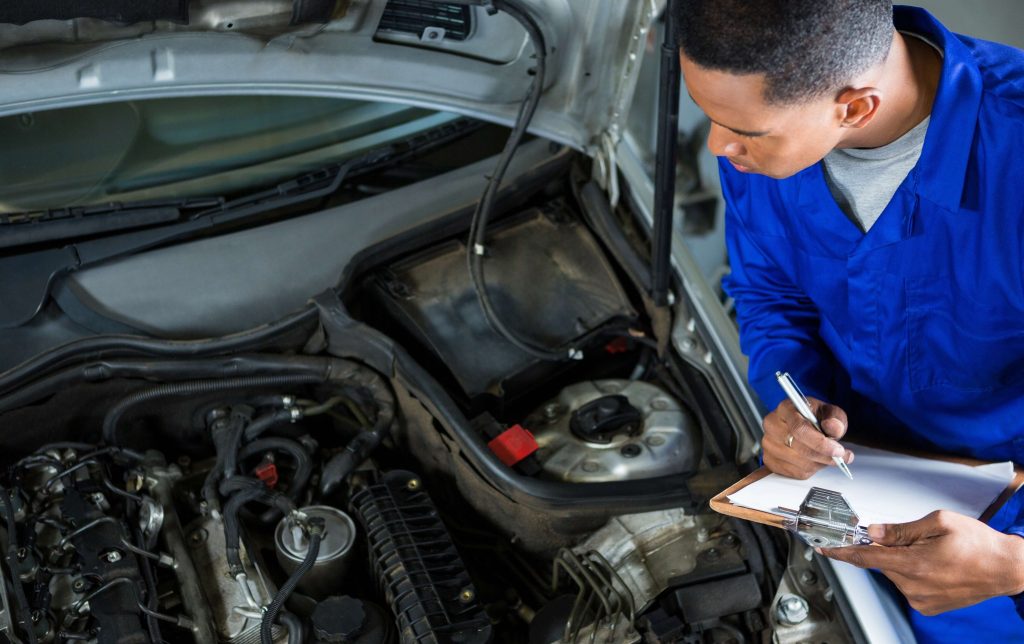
pixel 915 328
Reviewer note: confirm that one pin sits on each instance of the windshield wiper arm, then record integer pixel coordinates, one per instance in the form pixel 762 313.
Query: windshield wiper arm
pixel 57 224
pixel 31 275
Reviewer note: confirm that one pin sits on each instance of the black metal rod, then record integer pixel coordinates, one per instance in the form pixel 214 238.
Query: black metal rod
pixel 665 166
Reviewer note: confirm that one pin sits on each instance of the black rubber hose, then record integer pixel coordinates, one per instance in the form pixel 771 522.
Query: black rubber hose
pixel 294 449
pixel 245 491
pixel 265 422
pixel 226 441
pixel 12 564
pixel 130 344
pixel 193 388
pixel 341 465
pixel 316 530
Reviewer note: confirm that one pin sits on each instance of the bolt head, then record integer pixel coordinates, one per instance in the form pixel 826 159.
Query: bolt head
pixel 792 610
pixel 413 484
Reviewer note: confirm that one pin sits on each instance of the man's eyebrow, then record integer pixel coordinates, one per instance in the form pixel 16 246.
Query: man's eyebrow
pixel 748 133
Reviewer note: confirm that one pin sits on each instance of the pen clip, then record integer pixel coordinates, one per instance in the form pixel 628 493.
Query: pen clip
pixel 796 387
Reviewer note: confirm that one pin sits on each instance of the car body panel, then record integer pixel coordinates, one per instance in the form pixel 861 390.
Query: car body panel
pixel 594 54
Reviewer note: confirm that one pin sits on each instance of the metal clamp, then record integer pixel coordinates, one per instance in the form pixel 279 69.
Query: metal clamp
pixel 825 520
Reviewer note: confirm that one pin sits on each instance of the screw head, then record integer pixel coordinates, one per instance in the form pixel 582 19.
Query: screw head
pixel 197 538
pixel 113 556
pixel 808 578
pixel 792 609
pixel 78 586
pixel 552 411
pixel 467 595
pixel 413 485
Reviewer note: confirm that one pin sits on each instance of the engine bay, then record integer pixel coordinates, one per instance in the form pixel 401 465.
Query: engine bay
pixel 384 467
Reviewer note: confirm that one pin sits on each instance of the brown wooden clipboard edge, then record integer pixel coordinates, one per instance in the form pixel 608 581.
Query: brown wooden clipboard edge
pixel 721 504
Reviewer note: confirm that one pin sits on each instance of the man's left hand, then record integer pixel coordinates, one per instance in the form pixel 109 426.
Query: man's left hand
pixel 943 561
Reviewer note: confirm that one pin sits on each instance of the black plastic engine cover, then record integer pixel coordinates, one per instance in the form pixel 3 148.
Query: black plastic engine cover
pixel 546 276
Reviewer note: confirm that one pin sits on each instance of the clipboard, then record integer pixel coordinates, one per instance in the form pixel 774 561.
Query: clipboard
pixel 721 504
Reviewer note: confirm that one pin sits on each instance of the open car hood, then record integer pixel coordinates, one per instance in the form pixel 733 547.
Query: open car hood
pixel 441 55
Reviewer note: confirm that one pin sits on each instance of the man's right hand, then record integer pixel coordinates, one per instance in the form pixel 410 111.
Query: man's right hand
pixel 794 448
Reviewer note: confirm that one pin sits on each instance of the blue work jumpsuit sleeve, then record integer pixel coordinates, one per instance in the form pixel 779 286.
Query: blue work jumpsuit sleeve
pixel 778 323
pixel 1018 529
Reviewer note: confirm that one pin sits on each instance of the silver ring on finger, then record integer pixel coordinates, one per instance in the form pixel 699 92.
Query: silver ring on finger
pixel 789 441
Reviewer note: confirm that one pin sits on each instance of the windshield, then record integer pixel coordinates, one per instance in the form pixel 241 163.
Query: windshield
pixel 178 148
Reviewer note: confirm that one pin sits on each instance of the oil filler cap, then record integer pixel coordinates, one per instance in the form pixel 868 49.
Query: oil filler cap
pixel 600 420
pixel 348 620
pixel 338 620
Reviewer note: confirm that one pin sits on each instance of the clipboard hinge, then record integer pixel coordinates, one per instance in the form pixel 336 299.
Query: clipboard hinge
pixel 825 520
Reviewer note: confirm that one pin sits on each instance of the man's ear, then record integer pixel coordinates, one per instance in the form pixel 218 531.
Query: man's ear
pixel 857 107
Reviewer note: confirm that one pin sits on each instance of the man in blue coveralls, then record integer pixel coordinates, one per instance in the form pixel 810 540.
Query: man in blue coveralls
pixel 873 168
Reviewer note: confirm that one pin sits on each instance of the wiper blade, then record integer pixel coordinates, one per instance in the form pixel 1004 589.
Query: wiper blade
pixel 29 228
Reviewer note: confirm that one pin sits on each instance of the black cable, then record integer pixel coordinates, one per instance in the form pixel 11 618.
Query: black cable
pixel 151 592
pixel 485 207
pixel 196 387
pixel 316 531
pixel 12 565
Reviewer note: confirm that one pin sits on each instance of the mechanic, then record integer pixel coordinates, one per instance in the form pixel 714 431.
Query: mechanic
pixel 871 164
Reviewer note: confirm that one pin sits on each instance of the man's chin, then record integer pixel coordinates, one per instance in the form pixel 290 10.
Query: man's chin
pixel 771 174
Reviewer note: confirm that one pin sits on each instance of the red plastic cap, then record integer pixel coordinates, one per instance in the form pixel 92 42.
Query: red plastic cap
pixel 267 472
pixel 513 445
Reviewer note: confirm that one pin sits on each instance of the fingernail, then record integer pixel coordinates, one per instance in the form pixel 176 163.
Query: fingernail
pixel 818 550
pixel 838 451
pixel 876 531
pixel 849 457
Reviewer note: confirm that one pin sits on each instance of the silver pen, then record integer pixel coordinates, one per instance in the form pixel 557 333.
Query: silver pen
pixel 804 408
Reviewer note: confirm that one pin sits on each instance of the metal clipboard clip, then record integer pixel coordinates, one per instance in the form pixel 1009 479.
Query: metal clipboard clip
pixel 825 520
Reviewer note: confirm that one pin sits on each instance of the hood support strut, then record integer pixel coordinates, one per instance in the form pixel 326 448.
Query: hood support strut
pixel 665 165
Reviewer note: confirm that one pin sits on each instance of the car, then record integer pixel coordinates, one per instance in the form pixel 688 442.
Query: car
pixel 364 321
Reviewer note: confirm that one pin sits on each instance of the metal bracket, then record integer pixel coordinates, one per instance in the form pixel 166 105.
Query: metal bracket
pixel 825 520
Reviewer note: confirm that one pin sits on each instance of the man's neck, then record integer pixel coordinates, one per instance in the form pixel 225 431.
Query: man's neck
pixel 909 81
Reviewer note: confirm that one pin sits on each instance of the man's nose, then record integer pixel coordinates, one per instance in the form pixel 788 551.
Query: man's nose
pixel 723 143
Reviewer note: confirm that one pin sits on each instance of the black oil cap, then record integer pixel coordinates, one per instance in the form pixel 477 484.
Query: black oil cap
pixel 599 420
pixel 338 620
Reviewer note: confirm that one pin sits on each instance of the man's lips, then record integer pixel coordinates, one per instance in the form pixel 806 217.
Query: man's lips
pixel 741 168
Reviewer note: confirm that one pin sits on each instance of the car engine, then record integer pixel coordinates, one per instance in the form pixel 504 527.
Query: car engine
pixel 382 467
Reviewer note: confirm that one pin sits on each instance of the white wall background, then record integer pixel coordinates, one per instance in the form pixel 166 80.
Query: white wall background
pixel 998 20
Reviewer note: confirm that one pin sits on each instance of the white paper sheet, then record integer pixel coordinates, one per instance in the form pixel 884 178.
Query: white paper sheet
pixel 889 487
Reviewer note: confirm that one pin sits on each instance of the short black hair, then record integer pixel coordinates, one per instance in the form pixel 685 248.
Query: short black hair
pixel 805 48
